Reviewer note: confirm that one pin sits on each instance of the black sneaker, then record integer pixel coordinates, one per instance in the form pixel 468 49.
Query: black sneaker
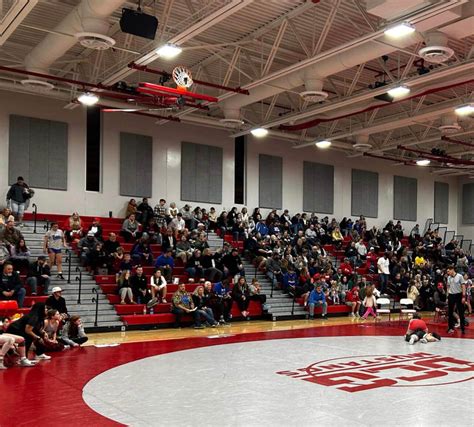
pixel 450 331
pixel 199 326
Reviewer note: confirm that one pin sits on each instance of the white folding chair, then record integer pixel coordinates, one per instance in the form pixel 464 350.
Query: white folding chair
pixel 406 313
pixel 384 304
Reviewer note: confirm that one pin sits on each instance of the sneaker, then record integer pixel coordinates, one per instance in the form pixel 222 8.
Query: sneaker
pixel 413 339
pixel 311 317
pixel 324 317
pixel 214 325
pixel 67 347
pixel 450 331
pixel 60 276
pixel 152 303
pixel 424 341
pixel 42 357
pixel 163 301
pixel 352 315
pixel 27 363
pixel 457 325
pixel 198 326
pixel 357 315
pixel 223 322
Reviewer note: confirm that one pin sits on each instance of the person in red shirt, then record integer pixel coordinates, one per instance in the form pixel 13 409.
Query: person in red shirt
pixel 353 301
pixel 346 268
pixel 417 329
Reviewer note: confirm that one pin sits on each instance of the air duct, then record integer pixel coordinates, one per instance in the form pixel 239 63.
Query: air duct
pixel 436 50
pixel 313 88
pixel 449 124
pixel 89 17
pixel 362 143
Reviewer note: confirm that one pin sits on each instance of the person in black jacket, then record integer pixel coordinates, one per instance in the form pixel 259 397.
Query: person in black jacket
pixel 96 228
pixel 139 285
pixel 11 287
pixel 240 294
pixel 39 274
pixel 194 266
pixel 168 241
pixel 57 302
pixel 17 197
pixel 233 264
pixel 144 211
pixel 201 302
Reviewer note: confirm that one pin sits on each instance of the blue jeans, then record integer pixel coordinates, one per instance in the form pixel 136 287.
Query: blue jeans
pixel 19 296
pixel 207 314
pixel 33 283
pixel 323 304
pixel 383 282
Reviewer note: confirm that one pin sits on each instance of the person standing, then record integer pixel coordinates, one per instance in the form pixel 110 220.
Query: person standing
pixel 54 242
pixel 456 298
pixel 383 264
pixel 18 196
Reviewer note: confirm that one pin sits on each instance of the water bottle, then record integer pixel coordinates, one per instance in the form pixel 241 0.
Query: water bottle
pixel 152 311
pixel 144 309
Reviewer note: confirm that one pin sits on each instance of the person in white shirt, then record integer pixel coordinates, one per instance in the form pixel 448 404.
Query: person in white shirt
pixel 361 249
pixel 178 223
pixel 383 264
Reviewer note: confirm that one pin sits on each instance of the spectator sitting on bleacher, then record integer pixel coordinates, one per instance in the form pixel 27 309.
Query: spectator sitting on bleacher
pixel 56 301
pixel 353 301
pixel 96 229
pixel 161 212
pixel 110 248
pixel 212 218
pixel 193 265
pixel 201 302
pixel 219 300
pixel 165 263
pixel 11 287
pixel 187 216
pixel 124 287
pixel 317 298
pixel 20 256
pixel 139 284
pixel 209 263
pixel 361 249
pixel 5 216
pixel 183 249
pixel 177 224
pixel 127 263
pixel 131 208
pixel 152 232
pixel 240 294
pixel 73 228
pixel 172 211
pixel 130 229
pixel 39 274
pixel 168 241
pixel 10 235
pixel 233 266
pixel 158 287
pixel 351 253
pixel 73 332
pixel 141 252
pixel 255 294
pixel 144 211
pixel 183 304
pixel 86 245
pixel 97 259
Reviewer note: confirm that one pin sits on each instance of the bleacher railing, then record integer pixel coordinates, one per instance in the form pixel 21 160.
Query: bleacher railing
pixel 35 214
pixel 69 260
pixel 79 279
pixel 96 300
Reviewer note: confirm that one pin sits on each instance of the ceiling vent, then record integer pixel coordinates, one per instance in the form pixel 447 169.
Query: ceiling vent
pixel 232 123
pixel 37 85
pixel 449 125
pixel 362 143
pixel 436 50
pixel 314 95
pixel 95 41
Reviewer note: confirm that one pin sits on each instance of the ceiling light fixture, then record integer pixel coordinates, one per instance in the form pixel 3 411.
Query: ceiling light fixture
pixel 423 162
pixel 88 99
pixel 169 51
pixel 465 110
pixel 259 132
pixel 323 144
pixel 399 91
pixel 400 30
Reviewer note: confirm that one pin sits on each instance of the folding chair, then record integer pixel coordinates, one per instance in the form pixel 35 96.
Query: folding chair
pixel 405 312
pixel 440 314
pixel 384 304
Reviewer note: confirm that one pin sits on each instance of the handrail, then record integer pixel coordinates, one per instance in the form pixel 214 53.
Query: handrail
pixel 79 278
pixel 35 213
pixel 69 260
pixel 96 300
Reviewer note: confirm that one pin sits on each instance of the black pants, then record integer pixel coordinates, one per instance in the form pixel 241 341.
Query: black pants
pixel 420 333
pixel 77 340
pixel 455 300
pixel 242 303
pixel 178 312
pixel 259 297
pixel 222 308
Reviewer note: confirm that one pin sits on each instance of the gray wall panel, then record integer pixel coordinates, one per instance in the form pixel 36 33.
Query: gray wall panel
pixel 136 157
pixel 441 202
pixel 405 198
pixel 270 181
pixel 468 203
pixel 318 187
pixel 365 193
pixel 201 173
pixel 38 150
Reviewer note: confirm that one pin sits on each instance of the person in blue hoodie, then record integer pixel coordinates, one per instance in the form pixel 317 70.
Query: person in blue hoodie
pixel 316 299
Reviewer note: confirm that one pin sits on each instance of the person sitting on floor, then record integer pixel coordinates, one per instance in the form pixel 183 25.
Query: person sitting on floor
pixel 11 287
pixel 57 302
pixel 51 327
pixel 182 303
pixel 39 274
pixel 73 332
pixel 317 298
pixel 201 302
pixel 13 342
pixel 416 330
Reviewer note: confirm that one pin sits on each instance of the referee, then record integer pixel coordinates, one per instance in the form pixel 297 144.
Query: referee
pixel 456 298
